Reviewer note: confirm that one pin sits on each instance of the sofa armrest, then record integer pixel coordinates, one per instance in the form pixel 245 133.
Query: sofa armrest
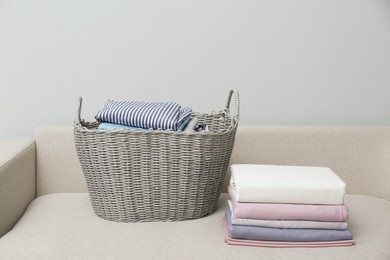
pixel 17 180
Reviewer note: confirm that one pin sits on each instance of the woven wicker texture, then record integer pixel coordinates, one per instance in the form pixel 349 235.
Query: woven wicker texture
pixel 156 175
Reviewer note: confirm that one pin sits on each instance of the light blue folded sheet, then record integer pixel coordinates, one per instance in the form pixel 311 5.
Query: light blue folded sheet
pixel 188 124
pixel 111 126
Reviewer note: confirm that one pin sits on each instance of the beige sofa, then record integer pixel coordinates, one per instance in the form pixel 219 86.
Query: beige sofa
pixel 45 212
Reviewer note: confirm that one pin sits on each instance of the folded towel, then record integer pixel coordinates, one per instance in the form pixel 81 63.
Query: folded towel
pixel 277 223
pixel 154 115
pixel 247 242
pixel 284 234
pixel 286 184
pixel 285 211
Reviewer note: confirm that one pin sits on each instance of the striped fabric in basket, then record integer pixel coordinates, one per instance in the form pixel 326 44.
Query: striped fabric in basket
pixel 154 115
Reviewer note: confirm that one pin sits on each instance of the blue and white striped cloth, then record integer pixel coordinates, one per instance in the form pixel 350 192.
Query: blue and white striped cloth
pixel 148 115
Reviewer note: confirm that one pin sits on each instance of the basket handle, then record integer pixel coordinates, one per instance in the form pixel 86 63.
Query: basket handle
pixel 237 103
pixel 78 111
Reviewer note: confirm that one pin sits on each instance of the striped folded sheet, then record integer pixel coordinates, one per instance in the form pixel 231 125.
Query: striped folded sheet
pixel 146 115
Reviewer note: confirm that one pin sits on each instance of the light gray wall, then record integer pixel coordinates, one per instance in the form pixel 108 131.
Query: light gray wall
pixel 298 62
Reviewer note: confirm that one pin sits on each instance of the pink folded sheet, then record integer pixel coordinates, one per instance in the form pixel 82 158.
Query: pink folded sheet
pixel 244 242
pixel 280 211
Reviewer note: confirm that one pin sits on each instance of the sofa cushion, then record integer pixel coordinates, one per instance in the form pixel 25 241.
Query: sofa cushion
pixel 359 155
pixel 17 169
pixel 64 226
pixel 58 167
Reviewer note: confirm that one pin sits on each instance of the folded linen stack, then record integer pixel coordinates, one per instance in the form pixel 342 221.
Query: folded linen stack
pixel 286 206
pixel 144 115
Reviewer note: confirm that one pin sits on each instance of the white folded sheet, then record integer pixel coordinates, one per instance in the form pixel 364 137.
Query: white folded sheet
pixel 286 184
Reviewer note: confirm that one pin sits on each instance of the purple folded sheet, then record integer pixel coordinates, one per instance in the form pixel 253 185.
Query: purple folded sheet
pixel 282 234
pixel 262 243
pixel 272 211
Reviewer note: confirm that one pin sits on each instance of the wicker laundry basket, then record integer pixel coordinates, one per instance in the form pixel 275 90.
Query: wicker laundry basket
pixel 156 175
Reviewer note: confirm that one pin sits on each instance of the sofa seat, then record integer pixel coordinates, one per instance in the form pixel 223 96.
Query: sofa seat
pixel 64 226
